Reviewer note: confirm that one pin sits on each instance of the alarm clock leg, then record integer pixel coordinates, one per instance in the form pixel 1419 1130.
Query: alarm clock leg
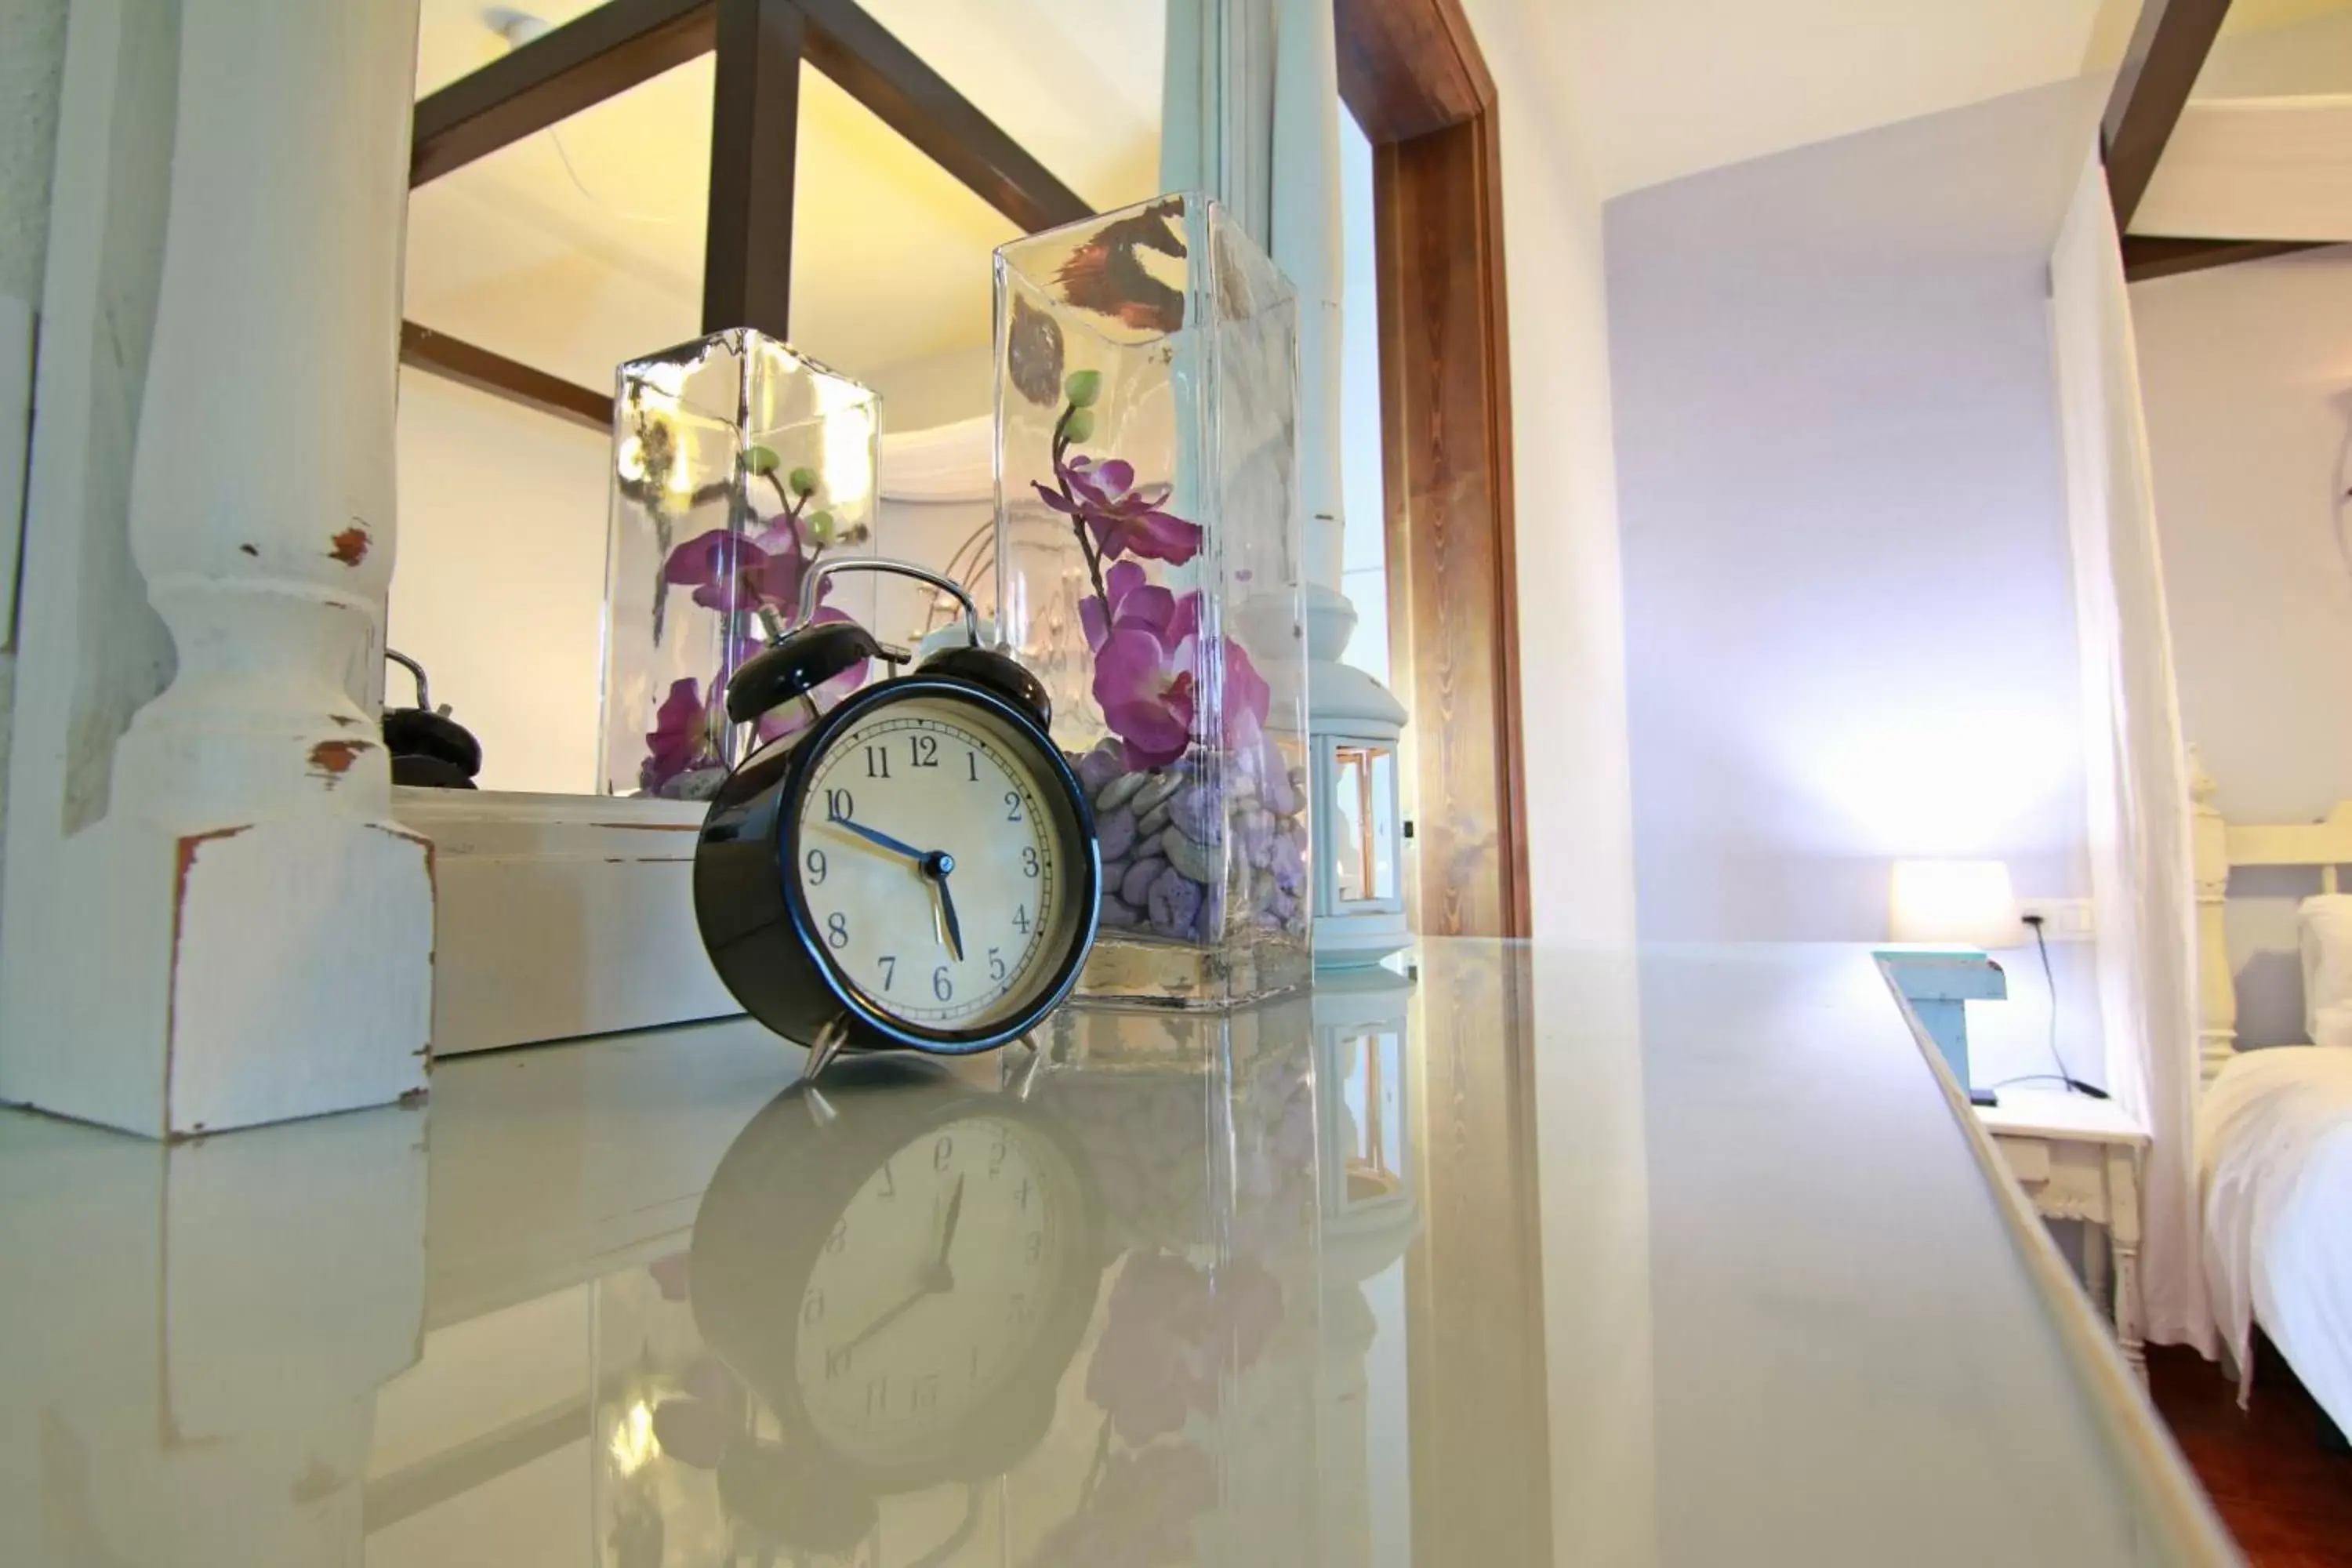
pixel 1020 1073
pixel 822 1050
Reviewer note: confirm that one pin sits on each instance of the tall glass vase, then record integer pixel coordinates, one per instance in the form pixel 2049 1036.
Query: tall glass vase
pixel 738 464
pixel 1149 540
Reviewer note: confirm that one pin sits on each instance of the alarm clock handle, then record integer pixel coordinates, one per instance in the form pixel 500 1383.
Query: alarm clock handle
pixel 813 585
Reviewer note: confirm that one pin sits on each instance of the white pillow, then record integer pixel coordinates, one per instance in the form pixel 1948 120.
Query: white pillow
pixel 2325 924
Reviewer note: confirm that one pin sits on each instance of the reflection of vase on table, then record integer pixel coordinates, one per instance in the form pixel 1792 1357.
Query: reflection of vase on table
pixel 1149 570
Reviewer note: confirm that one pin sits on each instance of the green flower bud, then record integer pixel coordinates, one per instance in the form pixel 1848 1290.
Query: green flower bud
pixel 759 460
pixel 820 526
pixel 1080 426
pixel 802 481
pixel 1083 387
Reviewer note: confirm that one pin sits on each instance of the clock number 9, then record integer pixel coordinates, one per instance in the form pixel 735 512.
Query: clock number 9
pixel 816 866
pixel 836 929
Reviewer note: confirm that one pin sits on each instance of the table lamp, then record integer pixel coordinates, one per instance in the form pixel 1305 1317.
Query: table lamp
pixel 1946 913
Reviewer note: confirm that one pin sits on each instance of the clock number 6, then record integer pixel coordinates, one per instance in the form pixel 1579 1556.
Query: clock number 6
pixel 941 986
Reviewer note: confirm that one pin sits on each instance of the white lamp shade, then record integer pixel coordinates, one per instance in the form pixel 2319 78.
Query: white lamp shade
pixel 1965 903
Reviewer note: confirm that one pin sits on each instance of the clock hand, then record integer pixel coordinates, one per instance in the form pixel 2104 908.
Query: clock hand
pixel 893 1315
pixel 946 1238
pixel 938 1280
pixel 947 908
pixel 883 839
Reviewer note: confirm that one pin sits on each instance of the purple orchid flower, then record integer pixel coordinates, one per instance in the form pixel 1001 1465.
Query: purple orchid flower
pixel 1150 661
pixel 730 572
pixel 1126 520
pixel 681 740
pixel 1146 694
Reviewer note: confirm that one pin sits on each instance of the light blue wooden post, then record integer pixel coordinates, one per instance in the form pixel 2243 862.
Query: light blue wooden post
pixel 1939 984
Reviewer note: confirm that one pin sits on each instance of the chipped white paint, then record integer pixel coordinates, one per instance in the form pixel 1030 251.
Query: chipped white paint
pixel 561 915
pixel 215 922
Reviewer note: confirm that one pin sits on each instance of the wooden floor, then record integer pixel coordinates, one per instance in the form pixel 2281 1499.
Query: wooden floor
pixel 2289 1504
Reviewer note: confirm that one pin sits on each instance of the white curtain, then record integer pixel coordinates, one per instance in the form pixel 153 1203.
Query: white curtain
pixel 2135 763
pixel 952 462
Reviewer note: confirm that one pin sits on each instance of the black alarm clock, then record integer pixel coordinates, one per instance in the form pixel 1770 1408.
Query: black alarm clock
pixel 914 868
pixel 901 1271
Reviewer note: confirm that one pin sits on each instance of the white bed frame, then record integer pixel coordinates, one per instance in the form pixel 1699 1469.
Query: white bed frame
pixel 2221 847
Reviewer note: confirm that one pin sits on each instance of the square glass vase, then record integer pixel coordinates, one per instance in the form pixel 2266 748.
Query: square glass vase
pixel 1149 548
pixel 738 465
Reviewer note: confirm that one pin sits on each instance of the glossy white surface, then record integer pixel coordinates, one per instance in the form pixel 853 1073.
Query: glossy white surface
pixel 1543 1259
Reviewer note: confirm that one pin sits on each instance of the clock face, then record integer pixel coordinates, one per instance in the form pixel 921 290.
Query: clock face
pixel 937 860
pixel 933 1289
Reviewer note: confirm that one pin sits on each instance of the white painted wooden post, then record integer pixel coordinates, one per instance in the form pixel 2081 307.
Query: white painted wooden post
pixel 245 935
pixel 2217 985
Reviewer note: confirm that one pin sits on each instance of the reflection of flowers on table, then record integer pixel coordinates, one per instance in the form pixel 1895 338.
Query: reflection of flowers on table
pixel 1172 1333
pixel 1139 1514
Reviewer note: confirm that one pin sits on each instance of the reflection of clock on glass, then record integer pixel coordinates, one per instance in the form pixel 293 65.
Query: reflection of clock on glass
pixel 901 1273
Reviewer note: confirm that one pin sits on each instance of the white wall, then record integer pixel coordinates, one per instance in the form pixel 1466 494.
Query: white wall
pixel 1572 643
pixel 499 584
pixel 2246 373
pixel 1851 636
pixel 1363 503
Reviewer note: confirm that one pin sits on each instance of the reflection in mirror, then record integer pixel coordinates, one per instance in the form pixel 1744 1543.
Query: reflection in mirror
pixel 581 248
pixel 568 252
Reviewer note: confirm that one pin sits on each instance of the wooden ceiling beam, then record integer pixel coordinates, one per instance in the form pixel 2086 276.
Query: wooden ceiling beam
pixel 468 364
pixel 2168 50
pixel 622 43
pixel 608 50
pixel 755 109
pixel 2147 256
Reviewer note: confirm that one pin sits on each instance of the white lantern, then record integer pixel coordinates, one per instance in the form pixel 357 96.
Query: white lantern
pixel 1353 726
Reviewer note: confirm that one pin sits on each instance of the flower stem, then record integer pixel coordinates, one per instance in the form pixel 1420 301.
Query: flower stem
pixel 793 509
pixel 1077 524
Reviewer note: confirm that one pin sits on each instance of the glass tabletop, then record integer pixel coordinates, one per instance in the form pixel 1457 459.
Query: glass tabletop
pixel 1532 1255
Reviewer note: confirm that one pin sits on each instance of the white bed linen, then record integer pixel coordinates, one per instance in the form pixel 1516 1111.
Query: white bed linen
pixel 2274 1167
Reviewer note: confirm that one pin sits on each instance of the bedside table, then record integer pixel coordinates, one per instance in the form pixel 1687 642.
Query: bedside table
pixel 2078 1158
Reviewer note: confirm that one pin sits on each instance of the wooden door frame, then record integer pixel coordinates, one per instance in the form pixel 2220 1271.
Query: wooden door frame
pixel 1411 73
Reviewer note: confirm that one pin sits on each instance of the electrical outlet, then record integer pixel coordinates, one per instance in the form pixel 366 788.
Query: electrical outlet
pixel 2063 920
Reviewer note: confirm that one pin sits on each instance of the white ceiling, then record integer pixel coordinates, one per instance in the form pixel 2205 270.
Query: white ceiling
pixel 577 248
pixel 1669 87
